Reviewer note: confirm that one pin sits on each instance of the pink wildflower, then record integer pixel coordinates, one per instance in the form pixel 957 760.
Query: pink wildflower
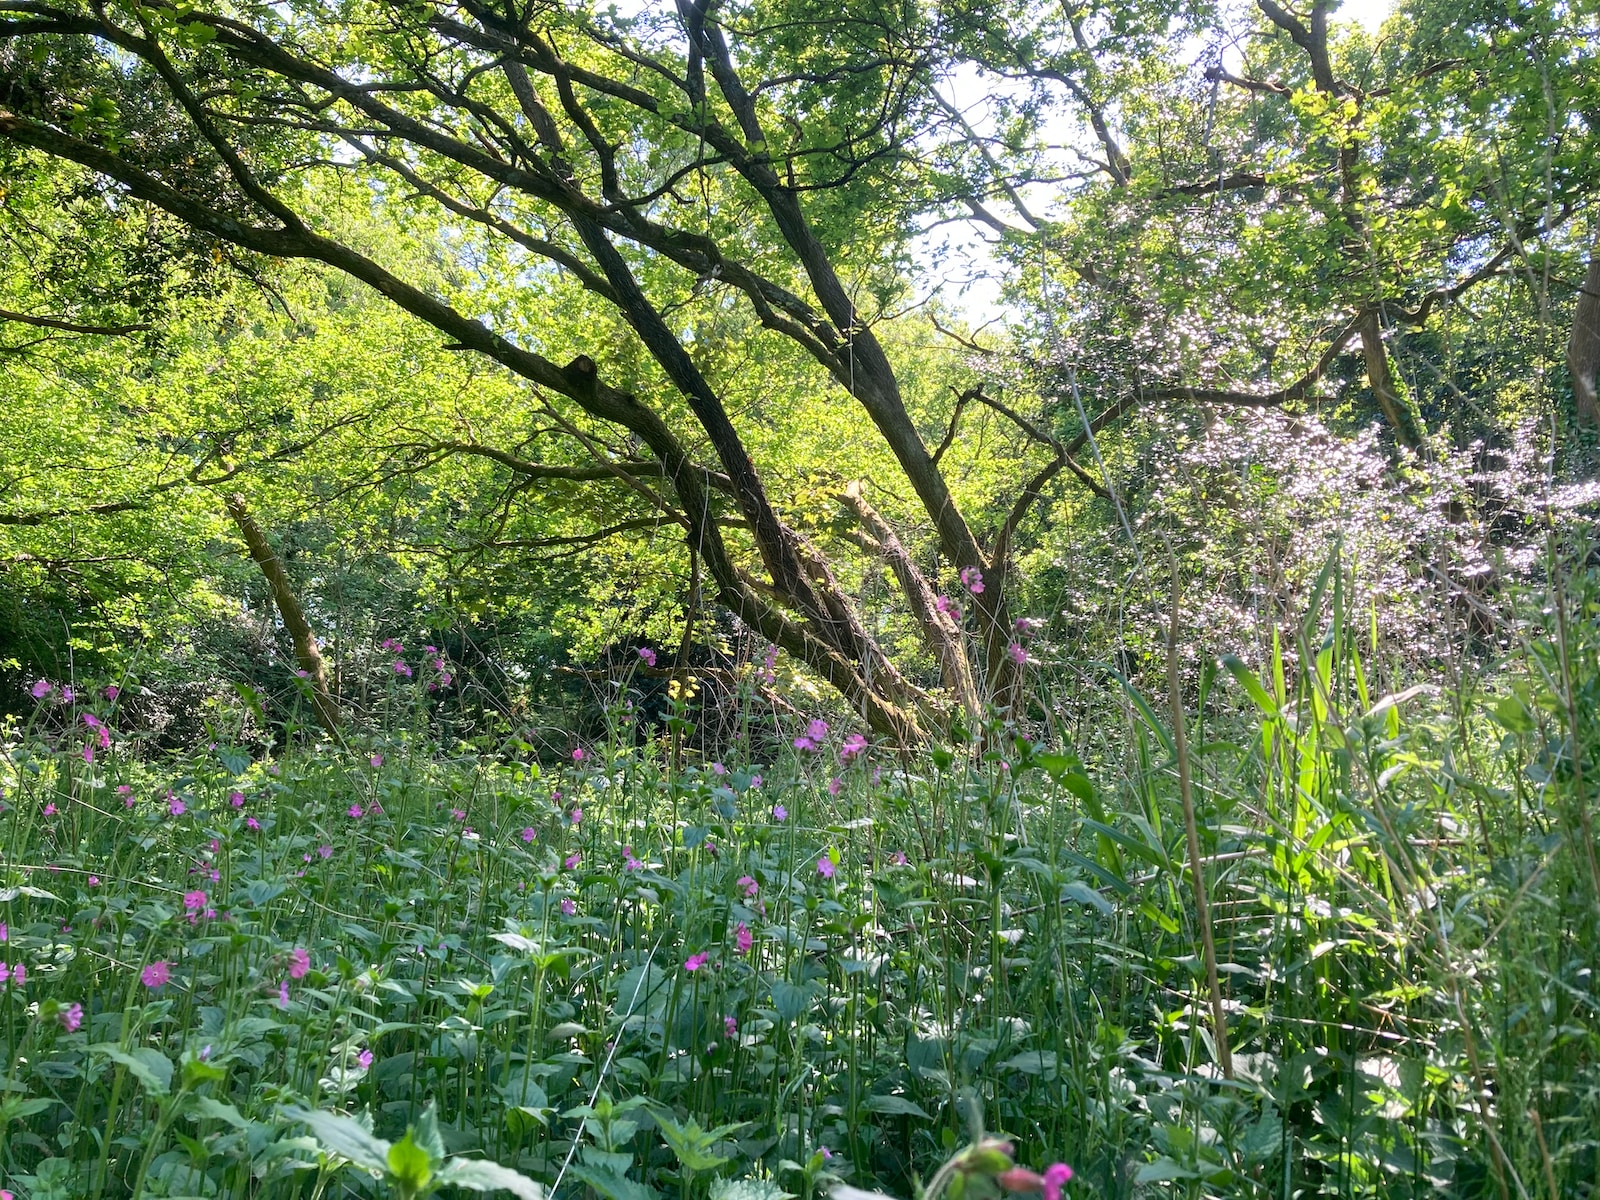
pixel 817 729
pixel 825 865
pixel 835 786
pixel 41 688
pixel 577 816
pixel 1055 1175
pixel 70 1017
pixel 283 993
pixel 376 760
pixel 194 901
pixel 400 668
pixel 948 608
pixel 236 799
pixel 299 963
pixel 577 754
pixel 252 824
pixel 853 745
pixel 457 814
pixel 175 806
pixel 354 812
pixel 804 743
pixel 94 881
pixel 630 862
pixel 899 858
pixel 569 906
pixel 972 580
pixel 780 813
pixel 364 1059
pixel 5 933
pixel 573 860
pixel 730 1028
pixel 648 655
pixel 88 753
pixel 747 885
pixel 1016 653
pixel 50 809
pixel 325 851
pixel 718 769
pixel 5 972
pixel 695 961
pixel 528 833
pixel 743 938
pixel 156 974
pixel 113 692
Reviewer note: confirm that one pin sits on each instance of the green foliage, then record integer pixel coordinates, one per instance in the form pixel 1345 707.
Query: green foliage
pixel 551 972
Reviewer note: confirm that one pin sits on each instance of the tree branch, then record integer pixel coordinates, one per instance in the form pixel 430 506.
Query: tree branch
pixel 72 326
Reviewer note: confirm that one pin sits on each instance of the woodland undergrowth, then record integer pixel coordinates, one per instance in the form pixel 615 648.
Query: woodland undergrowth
pixel 395 965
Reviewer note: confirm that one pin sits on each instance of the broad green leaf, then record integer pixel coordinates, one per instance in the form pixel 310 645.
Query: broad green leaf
pixel 150 1067
pixel 896 1106
pixel 409 1165
pixel 345 1136
pixel 611 1185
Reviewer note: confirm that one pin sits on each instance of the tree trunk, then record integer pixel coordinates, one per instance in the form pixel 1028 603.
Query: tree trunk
pixel 940 632
pixel 294 617
pixel 1583 346
pixel 1397 408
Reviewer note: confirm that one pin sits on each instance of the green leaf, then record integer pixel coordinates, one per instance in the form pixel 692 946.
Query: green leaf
pixel 1084 894
pixel 1511 714
pixel 16 1108
pixel 790 1000
pixel 150 1067
pixel 345 1136
pixel 478 1175
pixel 691 1144
pixel 1032 1062
pixel 409 1165
pixel 428 1136
pixel 747 1189
pixel 197 1071
pixel 212 1109
pixel 1164 1169
pixel 1252 685
pixel 896 1106
pixel 611 1185
pixel 260 891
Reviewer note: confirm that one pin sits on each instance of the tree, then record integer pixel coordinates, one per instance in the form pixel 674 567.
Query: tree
pixel 724 156
pixel 1330 191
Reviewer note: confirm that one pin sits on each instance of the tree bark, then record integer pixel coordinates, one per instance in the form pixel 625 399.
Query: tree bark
pixel 1583 346
pixel 939 631
pixel 1397 408
pixel 294 616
